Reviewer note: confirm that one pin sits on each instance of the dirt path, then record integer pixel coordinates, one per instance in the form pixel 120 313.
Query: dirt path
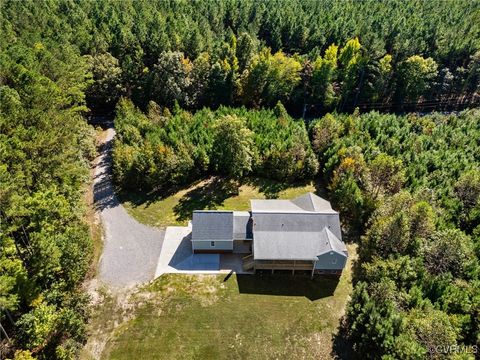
pixel 131 250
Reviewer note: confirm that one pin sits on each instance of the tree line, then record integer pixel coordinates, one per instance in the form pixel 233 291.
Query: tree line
pixel 314 57
pixel 408 191
pixel 45 245
pixel 160 150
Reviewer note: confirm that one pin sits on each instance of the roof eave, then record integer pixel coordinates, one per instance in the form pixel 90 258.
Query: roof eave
pixel 342 253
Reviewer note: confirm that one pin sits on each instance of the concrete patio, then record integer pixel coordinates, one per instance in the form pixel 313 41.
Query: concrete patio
pixel 177 256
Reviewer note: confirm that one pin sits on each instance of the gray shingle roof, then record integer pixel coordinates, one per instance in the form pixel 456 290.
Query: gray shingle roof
pixel 307 222
pixel 212 225
pixel 303 204
pixel 300 229
pixel 274 206
pixel 335 243
pixel 301 235
pixel 293 245
pixel 242 225
pixel 312 202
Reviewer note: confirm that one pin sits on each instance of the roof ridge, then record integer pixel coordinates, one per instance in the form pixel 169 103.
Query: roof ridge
pixel 328 238
pixel 310 197
pixel 297 206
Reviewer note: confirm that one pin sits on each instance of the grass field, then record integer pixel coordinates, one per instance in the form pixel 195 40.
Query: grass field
pixel 212 193
pixel 242 317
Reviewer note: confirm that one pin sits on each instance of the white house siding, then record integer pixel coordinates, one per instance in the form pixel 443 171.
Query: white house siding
pixel 219 245
pixel 330 261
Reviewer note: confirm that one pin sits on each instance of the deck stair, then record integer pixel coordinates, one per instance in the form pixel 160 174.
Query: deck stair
pixel 248 262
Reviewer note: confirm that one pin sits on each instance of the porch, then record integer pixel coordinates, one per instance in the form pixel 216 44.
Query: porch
pixel 284 265
pixel 301 265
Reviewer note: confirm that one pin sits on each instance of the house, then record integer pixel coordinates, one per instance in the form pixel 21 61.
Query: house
pixel 299 234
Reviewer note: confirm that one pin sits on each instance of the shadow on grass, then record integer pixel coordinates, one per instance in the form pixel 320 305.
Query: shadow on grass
pixel 321 189
pixel 226 187
pixel 271 188
pixel 206 193
pixel 342 346
pixel 284 284
pixel 141 198
pixel 208 196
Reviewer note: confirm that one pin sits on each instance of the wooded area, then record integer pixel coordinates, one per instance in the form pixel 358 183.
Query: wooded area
pixel 45 150
pixel 204 87
pixel 313 56
pixel 409 188
pixel 160 150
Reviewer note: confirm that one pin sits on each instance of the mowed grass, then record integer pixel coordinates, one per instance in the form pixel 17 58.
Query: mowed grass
pixel 259 316
pixel 176 208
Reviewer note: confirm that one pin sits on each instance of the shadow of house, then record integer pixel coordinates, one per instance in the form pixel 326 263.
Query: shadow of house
pixel 283 284
pixel 184 259
pixel 182 252
pixel 206 197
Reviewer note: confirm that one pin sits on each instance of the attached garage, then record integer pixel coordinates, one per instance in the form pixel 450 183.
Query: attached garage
pixel 212 231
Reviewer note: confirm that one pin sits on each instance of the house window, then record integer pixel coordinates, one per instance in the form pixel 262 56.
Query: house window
pixel 212 243
pixel 334 261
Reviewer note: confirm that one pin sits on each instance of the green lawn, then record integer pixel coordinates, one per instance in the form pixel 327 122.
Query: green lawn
pixel 213 193
pixel 242 317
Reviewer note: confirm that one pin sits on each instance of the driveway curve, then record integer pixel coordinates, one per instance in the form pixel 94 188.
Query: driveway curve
pixel 131 250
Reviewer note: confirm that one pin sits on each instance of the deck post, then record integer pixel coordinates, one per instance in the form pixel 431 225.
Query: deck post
pixel 313 268
pixel 293 269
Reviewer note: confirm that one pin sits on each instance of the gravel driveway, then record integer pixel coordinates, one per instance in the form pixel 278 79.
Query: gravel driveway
pixel 131 250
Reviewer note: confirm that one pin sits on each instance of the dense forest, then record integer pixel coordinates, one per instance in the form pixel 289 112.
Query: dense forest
pixel 45 245
pixel 312 56
pixel 203 87
pixel 409 186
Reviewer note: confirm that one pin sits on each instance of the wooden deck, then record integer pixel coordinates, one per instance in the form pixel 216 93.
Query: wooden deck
pixel 301 265
pixel 283 265
pixel 248 262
